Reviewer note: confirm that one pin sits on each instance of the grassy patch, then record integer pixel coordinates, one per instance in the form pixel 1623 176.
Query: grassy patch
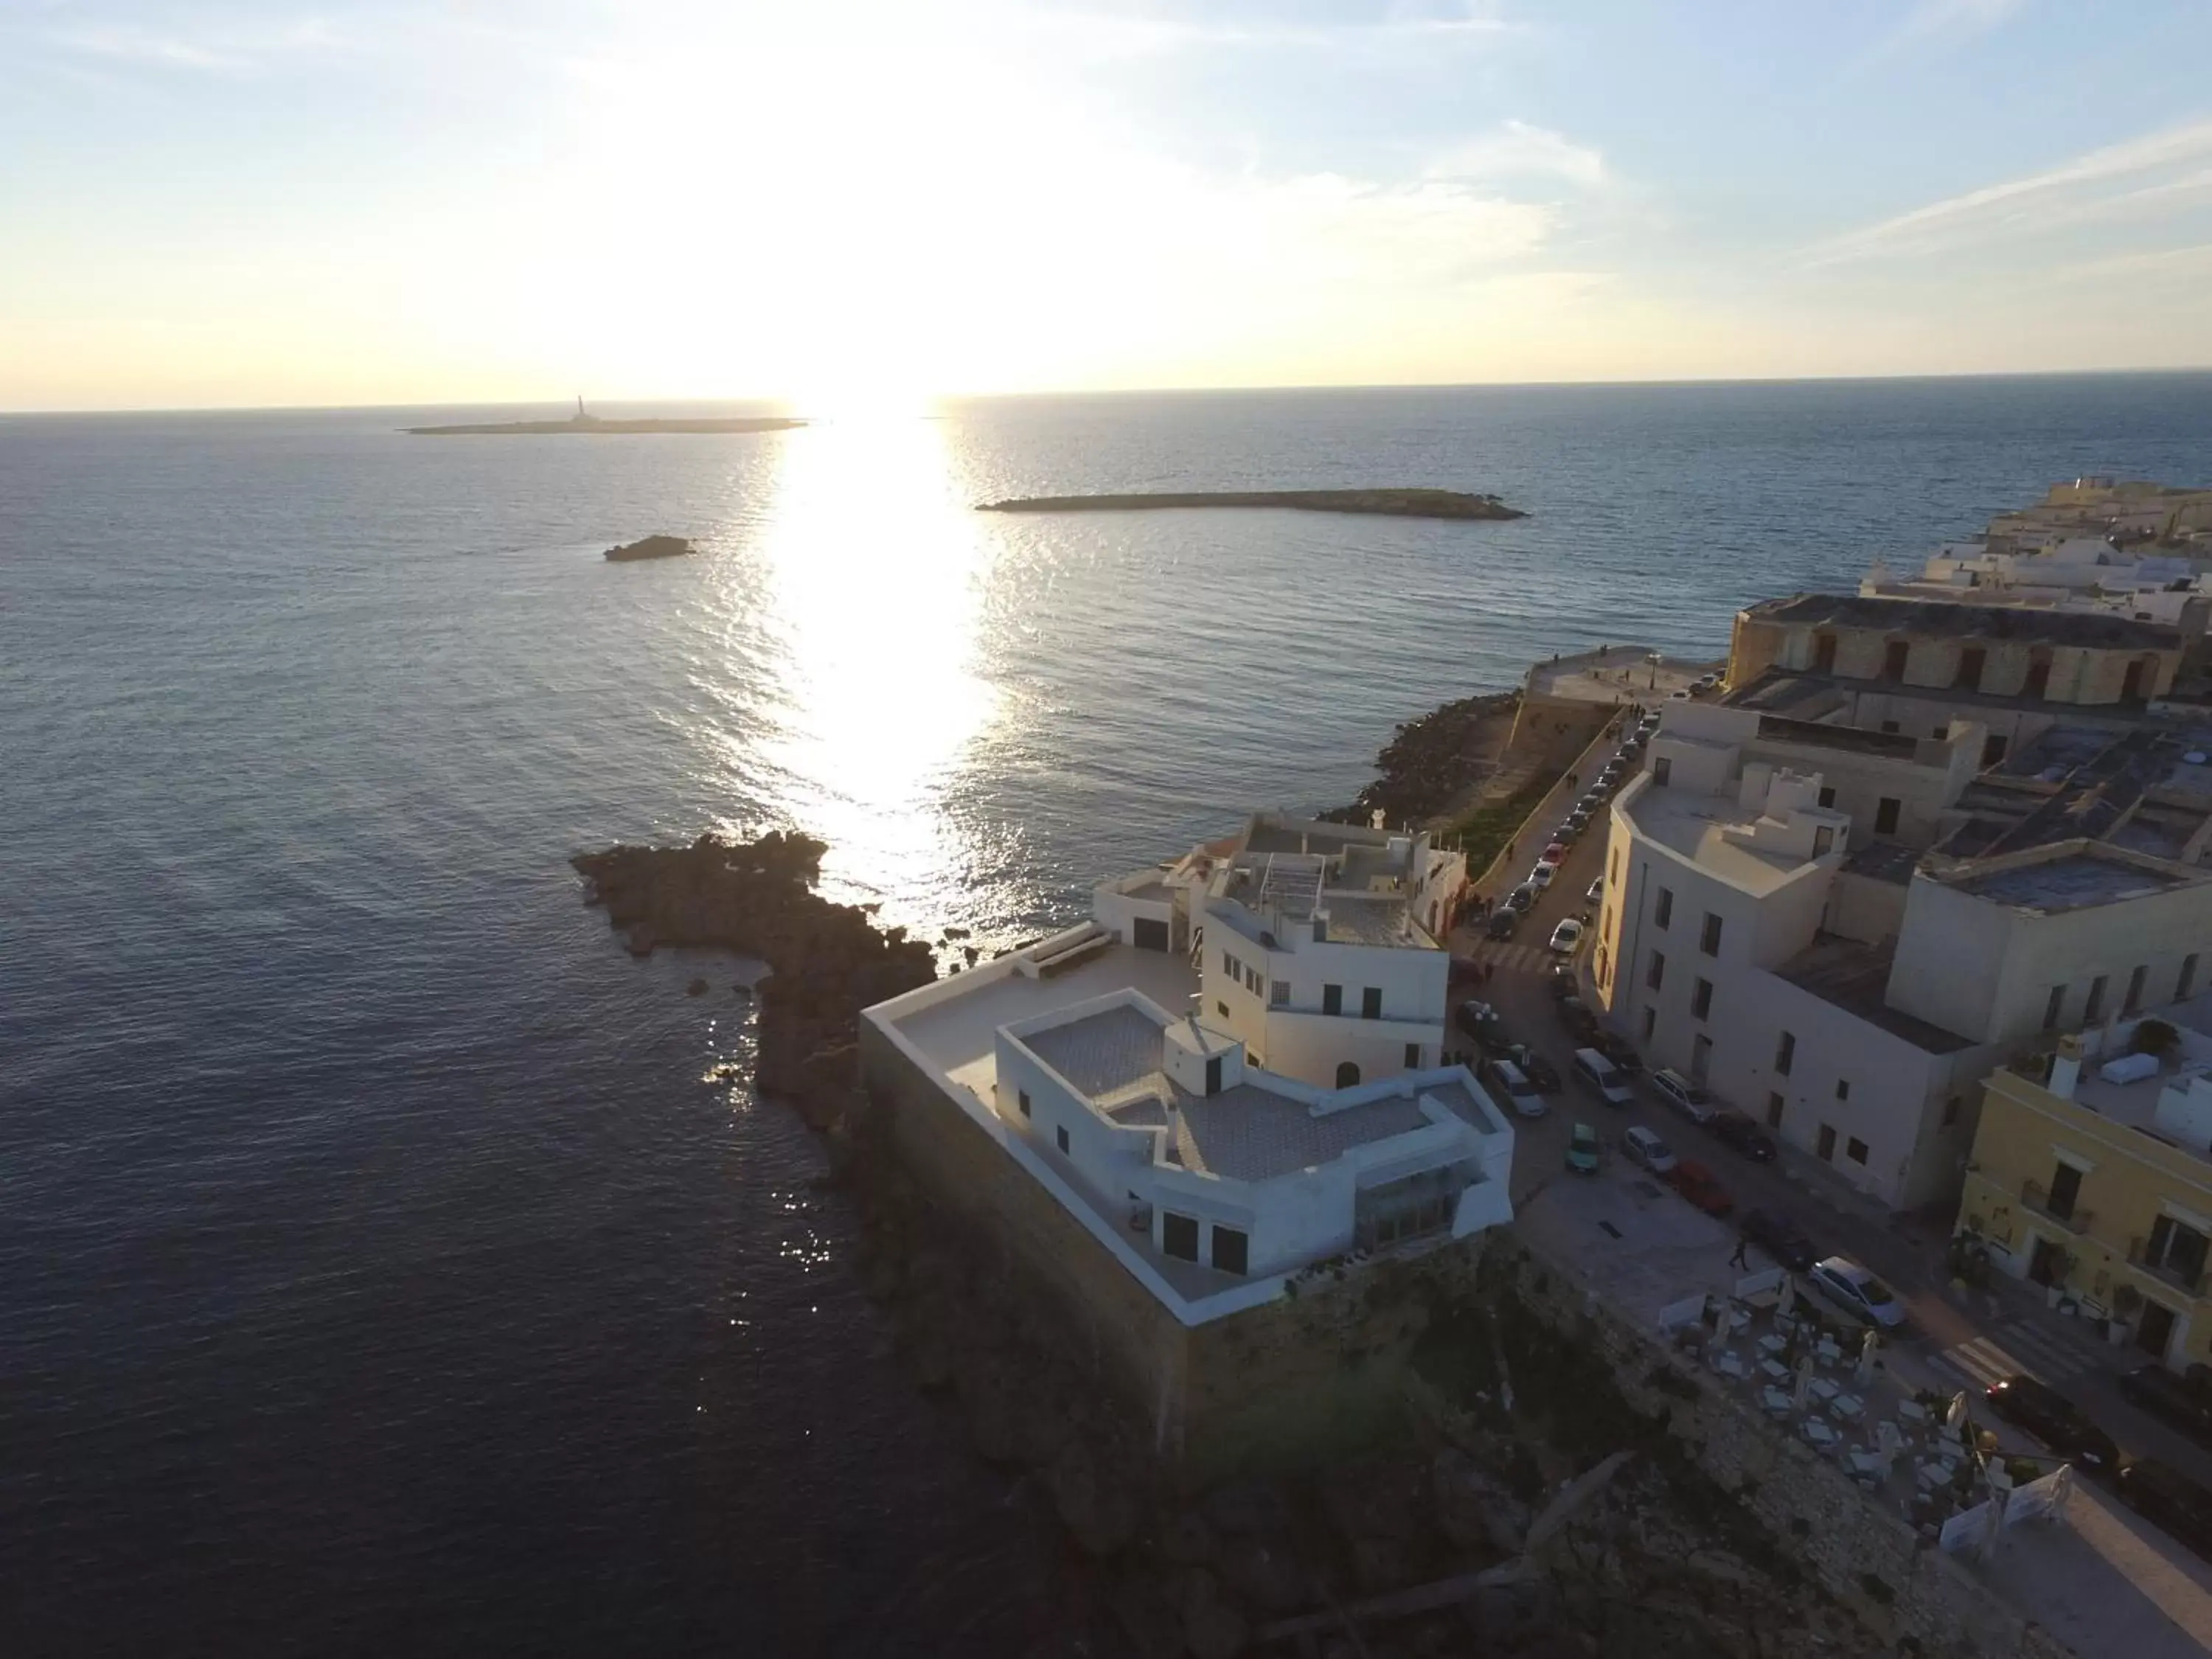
pixel 1483 833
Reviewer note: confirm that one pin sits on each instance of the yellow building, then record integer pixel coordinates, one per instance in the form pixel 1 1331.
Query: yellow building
pixel 2095 1176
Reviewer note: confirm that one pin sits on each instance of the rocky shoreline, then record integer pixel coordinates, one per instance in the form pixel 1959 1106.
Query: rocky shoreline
pixel 1430 761
pixel 1466 1530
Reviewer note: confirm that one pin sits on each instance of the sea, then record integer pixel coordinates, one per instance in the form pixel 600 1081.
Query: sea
pixel 379 1273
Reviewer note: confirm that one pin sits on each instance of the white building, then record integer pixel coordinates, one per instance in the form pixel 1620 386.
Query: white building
pixel 1209 1180
pixel 1831 930
pixel 1317 945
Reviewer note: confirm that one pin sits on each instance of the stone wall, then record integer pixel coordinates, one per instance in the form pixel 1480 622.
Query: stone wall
pixel 1870 1559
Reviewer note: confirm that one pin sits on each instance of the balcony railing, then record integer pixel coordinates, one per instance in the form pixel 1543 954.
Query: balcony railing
pixel 2037 1197
pixel 2165 1273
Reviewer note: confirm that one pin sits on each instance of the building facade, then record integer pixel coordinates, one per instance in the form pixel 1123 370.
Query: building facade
pixel 2091 1174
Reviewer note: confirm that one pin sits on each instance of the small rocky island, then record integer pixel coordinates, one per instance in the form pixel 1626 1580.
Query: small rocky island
pixel 651 547
pixel 1387 503
pixel 586 422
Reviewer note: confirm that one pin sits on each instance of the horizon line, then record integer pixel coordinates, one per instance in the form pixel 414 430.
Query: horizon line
pixel 934 400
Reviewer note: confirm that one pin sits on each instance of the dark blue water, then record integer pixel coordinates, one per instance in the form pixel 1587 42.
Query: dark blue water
pixel 376 1273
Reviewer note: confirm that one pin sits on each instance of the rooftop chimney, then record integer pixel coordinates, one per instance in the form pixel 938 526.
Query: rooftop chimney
pixel 2065 1068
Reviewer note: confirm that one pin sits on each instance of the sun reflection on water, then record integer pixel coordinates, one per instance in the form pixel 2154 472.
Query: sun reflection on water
pixel 873 570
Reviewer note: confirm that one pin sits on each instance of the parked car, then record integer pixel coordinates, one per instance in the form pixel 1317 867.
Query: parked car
pixel 1567 937
pixel 1534 1067
pixel 1565 832
pixel 1705 682
pixel 1511 1087
pixel 2162 1392
pixel 1684 1096
pixel 1633 745
pixel 1582 1150
pixel 1700 1186
pixel 1780 1237
pixel 1845 1289
pixel 1578 820
pixel 2058 1422
pixel 1560 978
pixel 1603 1079
pixel 1503 920
pixel 1742 1136
pixel 1475 1019
pixel 1575 1015
pixel 1524 896
pixel 1555 853
pixel 1621 1052
pixel 1678 697
pixel 2165 1496
pixel 1614 773
pixel 1642 1145
pixel 1594 893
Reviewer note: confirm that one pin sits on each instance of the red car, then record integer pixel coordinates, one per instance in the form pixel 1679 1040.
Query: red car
pixel 1555 853
pixel 1701 1187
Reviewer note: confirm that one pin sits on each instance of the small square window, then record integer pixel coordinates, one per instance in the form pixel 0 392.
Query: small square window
pixel 1179 1236
pixel 1060 1135
pixel 1279 994
pixel 1221 1008
pixel 1232 1249
pixel 1828 794
pixel 1854 1149
pixel 1024 1096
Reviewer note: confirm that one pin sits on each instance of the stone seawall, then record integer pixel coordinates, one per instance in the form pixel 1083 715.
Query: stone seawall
pixel 1323 1366
pixel 1899 1583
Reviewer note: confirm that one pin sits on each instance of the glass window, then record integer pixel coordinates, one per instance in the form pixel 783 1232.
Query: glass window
pixel 1060 1135
pixel 1657 972
pixel 1279 994
pixel 1231 1250
pixel 1332 998
pixel 1370 1002
pixel 1412 1056
pixel 1856 1150
pixel 1708 941
pixel 1843 1088
pixel 1179 1236
pixel 1650 1022
pixel 1701 999
pixel 1663 911
pixel 1024 1096
pixel 1785 1053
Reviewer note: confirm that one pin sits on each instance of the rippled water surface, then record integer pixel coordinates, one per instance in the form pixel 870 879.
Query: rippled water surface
pixel 376 1274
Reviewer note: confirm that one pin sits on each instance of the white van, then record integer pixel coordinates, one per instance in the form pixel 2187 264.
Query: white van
pixel 1607 1080
pixel 1510 1081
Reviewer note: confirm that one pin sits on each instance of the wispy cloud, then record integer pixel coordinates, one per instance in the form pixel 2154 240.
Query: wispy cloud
pixel 1124 33
pixel 135 44
pixel 1520 151
pixel 2145 173
pixel 1942 23
pixel 2194 263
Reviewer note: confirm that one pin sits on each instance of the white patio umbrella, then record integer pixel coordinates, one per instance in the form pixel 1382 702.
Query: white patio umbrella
pixel 1864 1373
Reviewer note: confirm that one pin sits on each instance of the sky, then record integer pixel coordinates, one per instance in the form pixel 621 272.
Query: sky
pixel 844 204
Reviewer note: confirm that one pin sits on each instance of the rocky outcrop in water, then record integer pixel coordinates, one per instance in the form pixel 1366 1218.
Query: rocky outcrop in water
pixel 1413 503
pixel 827 962
pixel 651 547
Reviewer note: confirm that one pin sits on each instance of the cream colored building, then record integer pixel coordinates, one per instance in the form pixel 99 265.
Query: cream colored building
pixel 2092 1172
pixel 1831 930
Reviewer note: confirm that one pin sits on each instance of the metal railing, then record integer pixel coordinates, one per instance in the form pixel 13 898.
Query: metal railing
pixel 2037 1197
pixel 2165 1273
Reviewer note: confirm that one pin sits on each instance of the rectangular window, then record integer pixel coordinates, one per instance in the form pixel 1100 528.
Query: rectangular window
pixel 1228 963
pixel 1843 1088
pixel 2054 1008
pixel 2094 1009
pixel 1232 1249
pixel 1179 1236
pixel 1885 815
pixel 1656 974
pixel 1969 677
pixel 1022 1095
pixel 1774 1106
pixel 1650 1022
pixel 1661 766
pixel 1826 1146
pixel 1662 912
pixel 1893 660
pixel 2185 982
pixel 1708 941
pixel 1701 999
pixel 1332 998
pixel 1827 794
pixel 1951 1111
pixel 1221 1008
pixel 1060 1135
pixel 1279 994
pixel 1993 749
pixel 1855 1149
pixel 1370 1002
pixel 2134 990
pixel 1785 1053
pixel 1412 1056
pixel 1613 869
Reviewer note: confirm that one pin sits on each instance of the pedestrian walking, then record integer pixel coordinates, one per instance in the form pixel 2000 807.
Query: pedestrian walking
pixel 1739 1259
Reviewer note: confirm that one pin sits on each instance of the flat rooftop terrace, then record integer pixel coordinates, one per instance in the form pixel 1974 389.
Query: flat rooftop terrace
pixel 2073 881
pixel 1693 826
pixel 2135 1104
pixel 1617 674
